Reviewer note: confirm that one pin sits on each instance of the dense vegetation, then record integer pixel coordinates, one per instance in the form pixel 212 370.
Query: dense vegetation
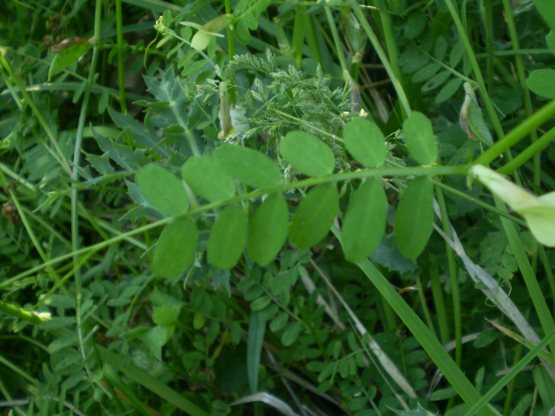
pixel 277 207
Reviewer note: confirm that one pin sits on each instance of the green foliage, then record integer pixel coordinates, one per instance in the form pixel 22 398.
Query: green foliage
pixel 165 242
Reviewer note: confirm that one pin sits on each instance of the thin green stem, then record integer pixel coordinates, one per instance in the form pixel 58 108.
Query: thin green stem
pixel 58 153
pixel 121 67
pixel 530 152
pixel 521 74
pixel 476 69
pixel 382 55
pixel 503 381
pixel 536 294
pixel 336 40
pixel 453 278
pixel 338 177
pixel 518 133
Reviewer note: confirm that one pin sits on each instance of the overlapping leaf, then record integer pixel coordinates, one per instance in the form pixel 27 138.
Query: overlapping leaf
pixel 228 237
pixel 268 229
pixel 207 178
pixel 365 142
pixel 365 220
pixel 414 217
pixel 249 166
pixel 175 251
pixel 163 190
pixel 307 153
pixel 420 139
pixel 314 216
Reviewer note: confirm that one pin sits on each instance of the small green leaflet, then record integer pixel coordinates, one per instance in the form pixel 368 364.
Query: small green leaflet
pixel 546 8
pixel 175 251
pixel 365 142
pixel 268 229
pixel 471 118
pixel 365 220
pixel 162 190
pixel 314 216
pixel 414 217
pixel 68 55
pixel 228 237
pixel 542 82
pixel 307 154
pixel 208 179
pixel 249 166
pixel 420 139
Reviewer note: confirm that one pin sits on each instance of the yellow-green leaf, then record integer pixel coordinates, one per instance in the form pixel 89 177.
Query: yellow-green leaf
pixel 539 212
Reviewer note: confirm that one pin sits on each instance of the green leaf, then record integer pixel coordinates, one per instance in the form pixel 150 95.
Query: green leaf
pixel 208 179
pixel 291 333
pixel 420 139
pixel 209 30
pixel 550 41
pixel 414 217
pixel 175 251
pixel 162 190
pixel 365 142
pixel 257 328
pixel 542 82
pixel 249 166
pixel 228 237
pixel 365 220
pixel 314 216
pixel 547 10
pixel 68 56
pixel 268 229
pixel 307 153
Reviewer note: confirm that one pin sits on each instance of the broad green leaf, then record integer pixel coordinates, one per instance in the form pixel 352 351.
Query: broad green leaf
pixel 365 142
pixel 249 166
pixel 228 237
pixel 414 217
pixel 268 229
pixel 257 328
pixel 365 220
pixel 208 179
pixel 314 216
pixel 162 190
pixel 546 8
pixel 307 153
pixel 175 251
pixel 542 82
pixel 420 139
pixel 68 55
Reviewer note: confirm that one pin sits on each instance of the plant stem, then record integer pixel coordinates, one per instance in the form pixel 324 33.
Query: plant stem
pixel 517 134
pixel 121 68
